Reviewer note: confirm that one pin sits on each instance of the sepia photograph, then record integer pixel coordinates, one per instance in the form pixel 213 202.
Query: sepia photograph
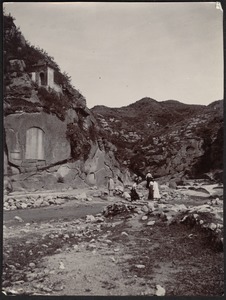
pixel 113 142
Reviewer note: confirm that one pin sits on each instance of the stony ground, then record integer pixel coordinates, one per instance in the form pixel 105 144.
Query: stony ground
pixel 139 248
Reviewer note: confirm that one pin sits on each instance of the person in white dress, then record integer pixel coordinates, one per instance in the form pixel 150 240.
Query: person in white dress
pixel 156 191
pixel 153 190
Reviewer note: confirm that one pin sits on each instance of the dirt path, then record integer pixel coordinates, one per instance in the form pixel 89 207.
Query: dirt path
pixel 69 211
pixel 118 255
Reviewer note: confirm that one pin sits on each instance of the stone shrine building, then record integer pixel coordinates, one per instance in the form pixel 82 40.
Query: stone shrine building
pixel 43 75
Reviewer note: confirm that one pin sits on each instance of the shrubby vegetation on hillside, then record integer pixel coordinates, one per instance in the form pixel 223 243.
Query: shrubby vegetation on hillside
pixel 16 47
pixel 166 137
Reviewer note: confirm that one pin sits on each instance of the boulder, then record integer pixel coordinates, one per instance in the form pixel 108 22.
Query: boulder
pixel 160 291
pixel 19 219
pixel 60 201
pixel 82 196
pixel 145 208
pixel 23 205
pixel 172 184
pixel 150 223
pixel 38 202
pixel 126 196
pixel 212 226
pixel 90 218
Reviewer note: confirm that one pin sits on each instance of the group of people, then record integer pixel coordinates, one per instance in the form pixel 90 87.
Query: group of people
pixel 151 185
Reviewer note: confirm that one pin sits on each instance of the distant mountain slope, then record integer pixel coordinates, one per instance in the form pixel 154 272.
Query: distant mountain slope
pixel 167 137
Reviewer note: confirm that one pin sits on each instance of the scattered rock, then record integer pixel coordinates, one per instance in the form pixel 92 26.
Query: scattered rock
pixel 32 265
pixel 144 218
pixel 148 292
pixel 99 219
pixel 160 291
pixel 91 246
pixel 97 194
pixel 151 206
pixel 89 199
pixel 124 233
pixel 19 219
pixel 212 226
pixel 31 276
pixel 150 223
pixel 140 266
pixel 108 241
pixel 145 208
pixel 126 196
pixel 82 196
pixel 90 218
pixel 58 288
pixel 46 289
pixel 75 247
pixel 23 205
pixel 116 249
pixel 62 267
pixel 60 201
pixel 38 202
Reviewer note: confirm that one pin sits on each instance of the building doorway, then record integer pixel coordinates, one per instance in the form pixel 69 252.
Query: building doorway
pixel 42 79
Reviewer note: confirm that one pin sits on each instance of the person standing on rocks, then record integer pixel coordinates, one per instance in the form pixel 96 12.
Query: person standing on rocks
pixel 111 186
pixel 133 194
pixel 148 179
pixel 153 190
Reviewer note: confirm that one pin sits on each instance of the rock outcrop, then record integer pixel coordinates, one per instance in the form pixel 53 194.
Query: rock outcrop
pixel 51 137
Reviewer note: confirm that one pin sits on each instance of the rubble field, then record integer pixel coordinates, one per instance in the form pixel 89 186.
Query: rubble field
pixel 130 248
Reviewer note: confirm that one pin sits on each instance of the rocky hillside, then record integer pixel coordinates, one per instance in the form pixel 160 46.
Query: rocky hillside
pixel 41 106
pixel 50 133
pixel 169 138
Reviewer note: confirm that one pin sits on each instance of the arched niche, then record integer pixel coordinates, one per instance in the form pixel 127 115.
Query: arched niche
pixel 34 143
pixel 41 78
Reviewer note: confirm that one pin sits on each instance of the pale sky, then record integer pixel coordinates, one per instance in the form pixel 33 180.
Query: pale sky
pixel 118 53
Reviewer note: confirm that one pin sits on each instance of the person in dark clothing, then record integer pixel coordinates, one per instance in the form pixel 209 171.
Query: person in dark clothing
pixel 136 180
pixel 148 179
pixel 133 194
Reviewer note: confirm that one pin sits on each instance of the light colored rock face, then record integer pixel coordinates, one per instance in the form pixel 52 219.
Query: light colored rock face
pixel 100 165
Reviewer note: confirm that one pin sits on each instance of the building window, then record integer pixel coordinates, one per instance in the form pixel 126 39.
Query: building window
pixel 34 144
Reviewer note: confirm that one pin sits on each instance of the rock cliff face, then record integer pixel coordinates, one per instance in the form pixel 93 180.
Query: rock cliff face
pixel 168 138
pixel 51 138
